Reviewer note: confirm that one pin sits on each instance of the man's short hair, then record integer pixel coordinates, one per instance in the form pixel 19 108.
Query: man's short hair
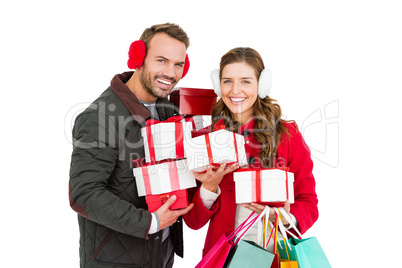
pixel 171 29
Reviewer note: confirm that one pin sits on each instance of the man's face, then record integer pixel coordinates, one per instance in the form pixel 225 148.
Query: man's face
pixel 163 65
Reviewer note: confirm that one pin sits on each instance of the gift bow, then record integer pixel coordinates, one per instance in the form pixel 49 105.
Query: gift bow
pixel 220 127
pixel 164 197
pixel 173 119
pixel 178 136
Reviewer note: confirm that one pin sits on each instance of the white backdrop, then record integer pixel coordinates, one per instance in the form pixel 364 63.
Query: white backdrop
pixel 336 71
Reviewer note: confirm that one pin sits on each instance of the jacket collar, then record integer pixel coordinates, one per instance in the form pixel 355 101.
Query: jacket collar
pixel 134 106
pixel 249 125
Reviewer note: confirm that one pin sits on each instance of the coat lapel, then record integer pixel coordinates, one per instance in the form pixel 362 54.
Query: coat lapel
pixel 134 106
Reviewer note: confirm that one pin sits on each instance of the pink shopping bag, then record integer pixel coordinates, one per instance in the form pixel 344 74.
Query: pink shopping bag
pixel 217 255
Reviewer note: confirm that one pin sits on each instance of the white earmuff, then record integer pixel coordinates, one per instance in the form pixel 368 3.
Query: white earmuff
pixel 264 83
pixel 216 83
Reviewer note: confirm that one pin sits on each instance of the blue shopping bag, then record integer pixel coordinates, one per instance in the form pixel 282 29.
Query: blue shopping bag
pixel 218 255
pixel 307 252
pixel 249 254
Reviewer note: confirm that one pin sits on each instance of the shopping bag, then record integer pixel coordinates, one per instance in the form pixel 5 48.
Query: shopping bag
pixel 278 262
pixel 216 256
pixel 281 263
pixel 307 252
pixel 288 264
pixel 249 254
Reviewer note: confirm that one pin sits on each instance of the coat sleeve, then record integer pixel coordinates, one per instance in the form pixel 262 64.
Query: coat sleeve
pixel 95 153
pixel 299 162
pixel 199 215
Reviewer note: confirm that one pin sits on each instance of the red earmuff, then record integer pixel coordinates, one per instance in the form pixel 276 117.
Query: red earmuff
pixel 186 66
pixel 136 56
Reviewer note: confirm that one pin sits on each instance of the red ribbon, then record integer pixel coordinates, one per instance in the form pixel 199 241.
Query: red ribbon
pixel 235 146
pixel 209 151
pixel 191 120
pixel 256 186
pixel 141 163
pixel 173 176
pixel 147 182
pixel 178 136
pixel 219 128
pixel 172 119
pixel 256 182
pixel 287 188
pixel 151 144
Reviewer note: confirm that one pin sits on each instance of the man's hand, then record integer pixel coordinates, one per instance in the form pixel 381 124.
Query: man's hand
pixel 210 180
pixel 166 216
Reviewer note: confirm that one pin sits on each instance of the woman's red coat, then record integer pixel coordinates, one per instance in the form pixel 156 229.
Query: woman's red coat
pixel 292 152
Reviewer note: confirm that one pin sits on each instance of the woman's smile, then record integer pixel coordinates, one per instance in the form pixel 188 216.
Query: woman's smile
pixel 239 89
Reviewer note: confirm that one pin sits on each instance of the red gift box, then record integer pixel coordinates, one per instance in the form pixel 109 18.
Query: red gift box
pixel 193 101
pixel 156 201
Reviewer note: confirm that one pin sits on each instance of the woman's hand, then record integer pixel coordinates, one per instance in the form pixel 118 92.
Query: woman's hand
pixel 258 208
pixel 210 180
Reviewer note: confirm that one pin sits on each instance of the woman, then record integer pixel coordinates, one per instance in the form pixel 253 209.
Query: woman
pixel 245 107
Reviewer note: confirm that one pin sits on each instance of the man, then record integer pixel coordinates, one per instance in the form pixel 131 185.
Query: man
pixel 116 229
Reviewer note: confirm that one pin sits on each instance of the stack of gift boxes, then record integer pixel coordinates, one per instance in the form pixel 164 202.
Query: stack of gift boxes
pixel 165 172
pixel 174 148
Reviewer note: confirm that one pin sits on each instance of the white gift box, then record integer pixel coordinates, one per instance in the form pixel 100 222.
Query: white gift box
pixel 199 121
pixel 165 140
pixel 163 178
pixel 215 148
pixel 263 185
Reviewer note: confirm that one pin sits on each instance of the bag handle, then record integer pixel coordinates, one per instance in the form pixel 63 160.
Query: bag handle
pixel 247 227
pixel 241 227
pixel 272 234
pixel 287 217
pixel 283 231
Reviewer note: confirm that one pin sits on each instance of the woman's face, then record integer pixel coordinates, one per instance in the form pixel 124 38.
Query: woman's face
pixel 239 87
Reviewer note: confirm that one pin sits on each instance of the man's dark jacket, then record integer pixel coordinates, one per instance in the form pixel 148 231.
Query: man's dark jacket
pixel 113 220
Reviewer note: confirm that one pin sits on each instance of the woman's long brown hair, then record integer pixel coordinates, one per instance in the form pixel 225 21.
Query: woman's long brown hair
pixel 268 128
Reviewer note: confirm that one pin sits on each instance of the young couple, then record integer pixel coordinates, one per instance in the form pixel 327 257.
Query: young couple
pixel 116 229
